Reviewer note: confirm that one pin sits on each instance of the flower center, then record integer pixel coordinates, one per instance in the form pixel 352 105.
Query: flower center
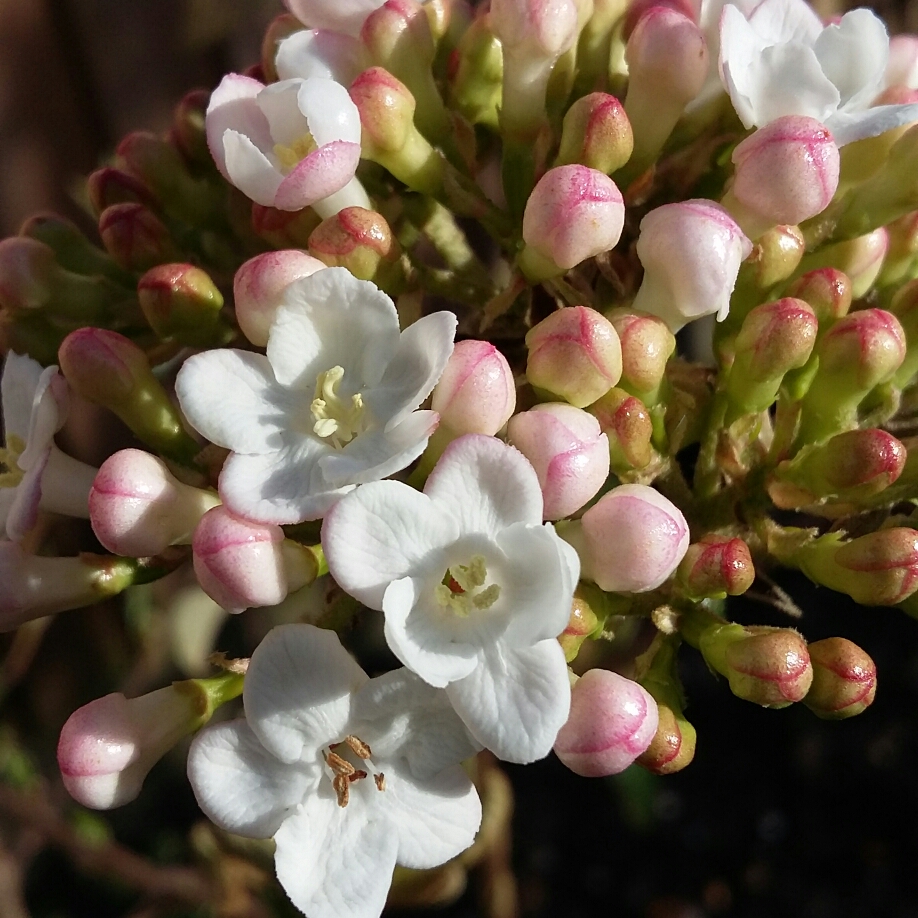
pixel 337 419
pixel 345 772
pixel 10 472
pixel 289 156
pixel 460 589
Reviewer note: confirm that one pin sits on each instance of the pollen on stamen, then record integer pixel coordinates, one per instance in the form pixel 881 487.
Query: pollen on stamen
pixel 339 765
pixel 360 748
pixel 342 789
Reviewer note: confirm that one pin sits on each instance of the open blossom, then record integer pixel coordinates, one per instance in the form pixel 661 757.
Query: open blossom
pixel 34 473
pixel 781 60
pixel 331 406
pixel 350 775
pixel 474 588
pixel 288 145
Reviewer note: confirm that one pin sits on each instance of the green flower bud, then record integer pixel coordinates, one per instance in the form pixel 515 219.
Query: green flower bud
pixel 475 87
pixel 597 133
pixel 181 301
pixel 628 425
pixel 135 237
pixel 583 624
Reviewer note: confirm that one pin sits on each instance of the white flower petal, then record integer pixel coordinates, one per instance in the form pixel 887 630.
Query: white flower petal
pixel 23 511
pixel 321 53
pixel 853 55
pixel 49 411
pixel 486 484
pixel 380 533
pixel 421 635
pixel 232 398
pixel 232 107
pixel 21 375
pixel 780 21
pixel 516 701
pixel 240 785
pixel 402 717
pixel 249 169
pixel 336 862
pixel 333 319
pixel 847 127
pixel 278 102
pixel 298 691
pixel 417 365
pixel 435 820
pixel 341 15
pixel 329 110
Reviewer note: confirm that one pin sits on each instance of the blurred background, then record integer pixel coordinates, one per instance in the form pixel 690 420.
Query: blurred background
pixel 779 815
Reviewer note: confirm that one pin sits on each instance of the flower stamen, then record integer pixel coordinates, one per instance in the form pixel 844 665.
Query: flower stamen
pixel 460 592
pixel 10 472
pixel 335 417
pixel 289 156
pixel 345 773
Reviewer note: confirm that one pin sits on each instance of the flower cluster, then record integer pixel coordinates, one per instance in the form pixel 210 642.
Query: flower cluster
pixel 391 319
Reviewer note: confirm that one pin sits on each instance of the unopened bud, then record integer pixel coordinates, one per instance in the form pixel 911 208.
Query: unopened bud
pixel 386 109
pixel 860 258
pixel 844 679
pixel 596 133
pixel 626 421
pixel 108 746
pixel 74 252
pixel 583 624
pixel 828 292
pixel 359 240
pixel 568 451
pixel 612 721
pixel 573 213
pixel 479 67
pixel 138 508
pixel 630 541
pixel 574 354
pixel 284 229
pixel 860 351
pixel 108 186
pixel 904 307
pixel 241 564
pixel 786 172
pixel 135 237
pixel 187 129
pixel 108 369
pixel 476 392
pixel 647 345
pixel 716 567
pixel 852 465
pixel 259 287
pixel 180 301
pixel 673 745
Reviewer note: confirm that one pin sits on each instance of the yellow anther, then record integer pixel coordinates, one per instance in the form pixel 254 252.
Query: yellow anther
pixel 336 419
pixel 289 156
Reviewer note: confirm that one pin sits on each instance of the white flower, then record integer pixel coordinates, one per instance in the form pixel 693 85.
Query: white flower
pixel 288 145
pixel 474 588
pixel 339 15
pixel 331 406
pixel 350 775
pixel 782 61
pixel 34 473
pixel 321 53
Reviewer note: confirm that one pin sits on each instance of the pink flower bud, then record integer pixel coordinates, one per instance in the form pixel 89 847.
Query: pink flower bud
pixel 844 679
pixel 865 347
pixel 596 133
pixel 138 508
pixel 259 285
pixel 583 623
pixel 716 567
pixel 568 451
pixel 575 354
pixel 27 271
pixel 673 745
pixel 573 213
pixel 386 109
pixel 544 28
pixel 612 721
pixel 628 425
pixel 109 186
pixel 880 568
pixel 786 172
pixel 361 241
pixel 187 129
pixel 135 237
pixel 647 345
pixel 631 540
pixel 180 301
pixel 241 564
pixel 476 393
pixel 691 252
pixel 108 746
pixel 827 290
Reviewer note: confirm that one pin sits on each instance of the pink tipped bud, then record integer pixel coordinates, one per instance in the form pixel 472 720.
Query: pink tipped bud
pixel 716 567
pixel 27 273
pixel 109 186
pixel 691 252
pixel 386 109
pixel 827 290
pixel 844 679
pixel 573 213
pixel 541 28
pixel 397 29
pixel 138 508
pixel 575 354
pixel 769 666
pixel 568 451
pixel 476 393
pixel 108 746
pixel 596 133
pixel 612 721
pixel 881 568
pixel 647 345
pixel 667 59
pixel 673 745
pixel 583 623
pixel 626 421
pixel 135 237
pixel 180 301
pixel 631 540
pixel 359 240
pixel 259 285
pixel 786 172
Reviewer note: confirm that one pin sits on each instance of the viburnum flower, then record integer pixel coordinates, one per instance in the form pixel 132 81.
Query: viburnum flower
pixel 288 145
pixel 474 588
pixel 781 60
pixel 34 473
pixel 331 406
pixel 350 775
pixel 321 53
pixel 339 15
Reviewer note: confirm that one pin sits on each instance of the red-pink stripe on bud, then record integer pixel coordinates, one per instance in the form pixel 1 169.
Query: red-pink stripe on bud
pixel 716 567
pixel 596 133
pixel 844 679
pixel 135 237
pixel 827 290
